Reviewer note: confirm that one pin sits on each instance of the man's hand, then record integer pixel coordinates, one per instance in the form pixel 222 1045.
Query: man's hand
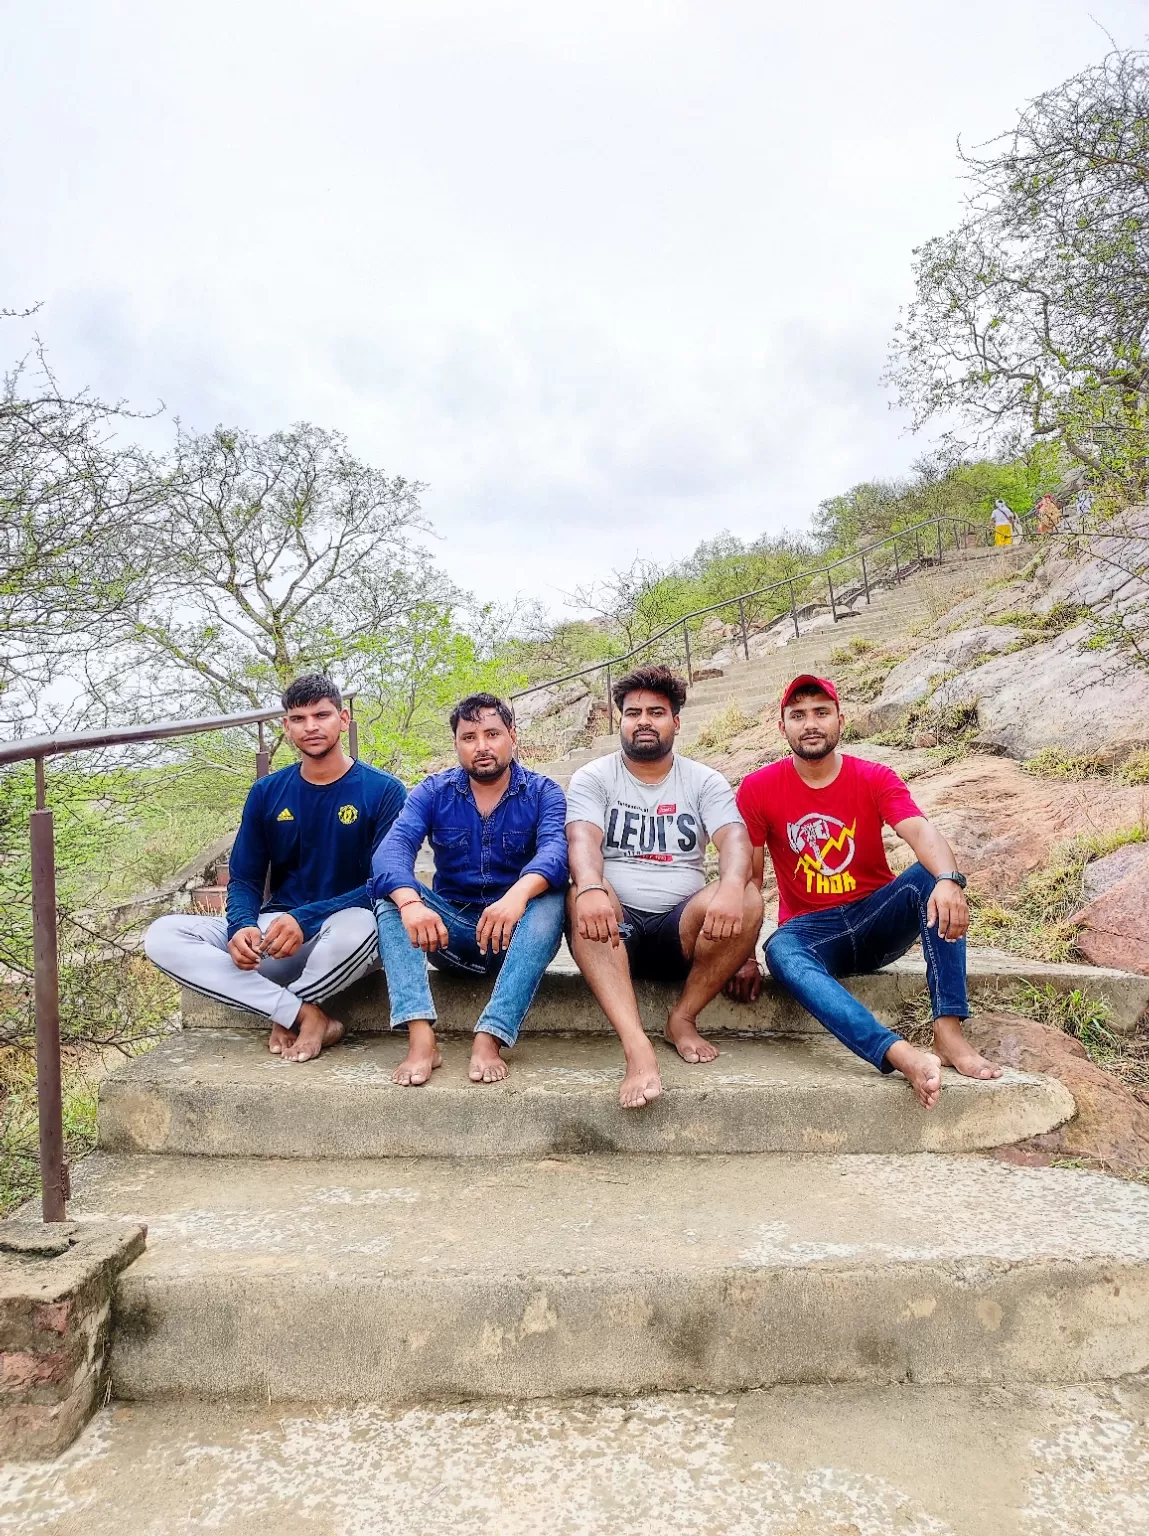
pixel 746 983
pixel 282 938
pixel 948 911
pixel 246 948
pixel 498 921
pixel 425 928
pixel 724 915
pixel 596 918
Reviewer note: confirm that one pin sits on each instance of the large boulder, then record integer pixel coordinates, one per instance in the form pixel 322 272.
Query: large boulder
pixel 1113 919
pixel 1003 823
pixel 1111 1125
pixel 913 679
pixel 1056 694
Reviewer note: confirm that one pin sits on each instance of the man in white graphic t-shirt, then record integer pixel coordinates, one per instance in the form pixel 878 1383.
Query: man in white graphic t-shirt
pixel 638 823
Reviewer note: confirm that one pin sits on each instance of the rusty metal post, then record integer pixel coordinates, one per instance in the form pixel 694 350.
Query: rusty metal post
pixel 865 577
pixel 49 1098
pixel 939 541
pixel 794 613
pixel 262 757
pixel 918 542
pixel 897 561
pixel 686 644
pixel 352 729
pixel 609 705
pixel 745 637
pixel 833 605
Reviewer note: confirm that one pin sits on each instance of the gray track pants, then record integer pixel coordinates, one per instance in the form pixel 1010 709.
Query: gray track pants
pixel 192 950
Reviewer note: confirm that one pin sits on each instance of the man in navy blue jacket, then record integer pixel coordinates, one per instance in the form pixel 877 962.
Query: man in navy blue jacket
pixel 306 837
pixel 497 832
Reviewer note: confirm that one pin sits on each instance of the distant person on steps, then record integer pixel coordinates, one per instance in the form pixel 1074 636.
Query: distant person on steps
pixel 496 905
pixel 841 911
pixel 638 824
pixel 307 835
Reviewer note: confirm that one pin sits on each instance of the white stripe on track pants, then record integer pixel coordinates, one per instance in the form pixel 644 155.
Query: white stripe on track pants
pixel 192 949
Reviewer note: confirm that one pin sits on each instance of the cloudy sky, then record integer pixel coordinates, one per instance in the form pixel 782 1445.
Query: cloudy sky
pixel 610 277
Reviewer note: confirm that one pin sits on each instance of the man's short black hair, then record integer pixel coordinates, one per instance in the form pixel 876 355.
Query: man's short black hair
pixel 309 689
pixel 652 680
pixel 473 706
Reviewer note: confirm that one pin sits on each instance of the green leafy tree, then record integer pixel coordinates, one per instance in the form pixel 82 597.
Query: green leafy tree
pixel 1033 313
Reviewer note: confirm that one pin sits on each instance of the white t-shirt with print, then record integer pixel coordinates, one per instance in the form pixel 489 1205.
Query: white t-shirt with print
pixel 654 835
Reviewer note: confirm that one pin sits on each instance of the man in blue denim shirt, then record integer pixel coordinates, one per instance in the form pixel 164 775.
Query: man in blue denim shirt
pixel 497 832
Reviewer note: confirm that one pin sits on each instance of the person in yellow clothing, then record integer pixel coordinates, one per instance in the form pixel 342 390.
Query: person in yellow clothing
pixel 1002 523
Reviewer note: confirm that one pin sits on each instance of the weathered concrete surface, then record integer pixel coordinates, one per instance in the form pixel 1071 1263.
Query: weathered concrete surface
pixel 564 1002
pixel 787 1461
pixel 415 1280
pixel 55 1302
pixel 222 1095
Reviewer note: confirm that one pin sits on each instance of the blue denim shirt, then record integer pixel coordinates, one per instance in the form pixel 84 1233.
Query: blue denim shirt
pixel 477 858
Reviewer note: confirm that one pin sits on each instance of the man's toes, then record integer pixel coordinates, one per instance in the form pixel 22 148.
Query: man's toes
pixel 475 1072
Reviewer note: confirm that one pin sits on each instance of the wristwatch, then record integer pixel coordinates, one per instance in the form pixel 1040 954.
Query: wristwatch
pixel 955 877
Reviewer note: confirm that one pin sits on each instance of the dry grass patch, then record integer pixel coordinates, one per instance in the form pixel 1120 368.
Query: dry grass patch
pixel 1035 920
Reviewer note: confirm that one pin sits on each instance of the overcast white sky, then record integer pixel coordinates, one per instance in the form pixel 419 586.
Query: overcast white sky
pixel 610 276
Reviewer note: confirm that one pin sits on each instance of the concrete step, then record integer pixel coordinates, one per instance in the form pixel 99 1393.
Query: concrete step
pixel 223 1095
pixel 564 1003
pixel 904 1460
pixel 424 1280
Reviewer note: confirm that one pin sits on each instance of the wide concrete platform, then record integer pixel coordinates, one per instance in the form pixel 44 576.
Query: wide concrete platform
pixel 564 1002
pixel 787 1461
pixel 399 1280
pixel 222 1095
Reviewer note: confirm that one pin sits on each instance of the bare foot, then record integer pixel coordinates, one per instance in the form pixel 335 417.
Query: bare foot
pixel 316 1032
pixel 684 1037
pixel 487 1066
pixel 921 1069
pixel 422 1057
pixel 642 1084
pixel 279 1040
pixel 955 1051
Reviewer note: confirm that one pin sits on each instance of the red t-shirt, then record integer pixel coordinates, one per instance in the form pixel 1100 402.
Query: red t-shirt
pixel 825 844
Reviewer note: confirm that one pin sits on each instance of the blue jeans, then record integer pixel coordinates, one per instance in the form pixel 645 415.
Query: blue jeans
pixel 809 951
pixel 519 968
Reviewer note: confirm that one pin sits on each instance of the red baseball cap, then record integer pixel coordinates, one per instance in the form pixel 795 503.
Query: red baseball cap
pixel 808 680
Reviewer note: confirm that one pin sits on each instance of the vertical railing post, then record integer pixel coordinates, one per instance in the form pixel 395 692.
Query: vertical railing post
pixel 939 541
pixel 897 562
pixel 686 645
pixel 865 578
pixel 262 756
pixel 745 637
pixel 833 605
pixel 352 728
pixel 794 613
pixel 53 1169
pixel 918 542
pixel 609 705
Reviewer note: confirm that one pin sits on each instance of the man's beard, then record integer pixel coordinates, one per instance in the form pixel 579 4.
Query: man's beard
pixel 648 750
pixel 487 775
pixel 813 752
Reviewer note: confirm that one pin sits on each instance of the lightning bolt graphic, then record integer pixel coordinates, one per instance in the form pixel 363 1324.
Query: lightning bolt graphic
pixel 814 863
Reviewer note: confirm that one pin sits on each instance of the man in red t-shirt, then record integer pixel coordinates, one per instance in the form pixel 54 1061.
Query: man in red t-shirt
pixel 841 911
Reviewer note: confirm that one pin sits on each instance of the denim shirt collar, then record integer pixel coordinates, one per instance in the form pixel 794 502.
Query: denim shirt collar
pixel 461 783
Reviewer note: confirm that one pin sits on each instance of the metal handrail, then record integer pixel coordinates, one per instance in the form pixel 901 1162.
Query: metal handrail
pixel 54 1181
pixel 740 600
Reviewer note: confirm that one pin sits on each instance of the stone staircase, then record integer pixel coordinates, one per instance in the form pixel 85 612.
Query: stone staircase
pixel 891 615
pixel 783 1215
